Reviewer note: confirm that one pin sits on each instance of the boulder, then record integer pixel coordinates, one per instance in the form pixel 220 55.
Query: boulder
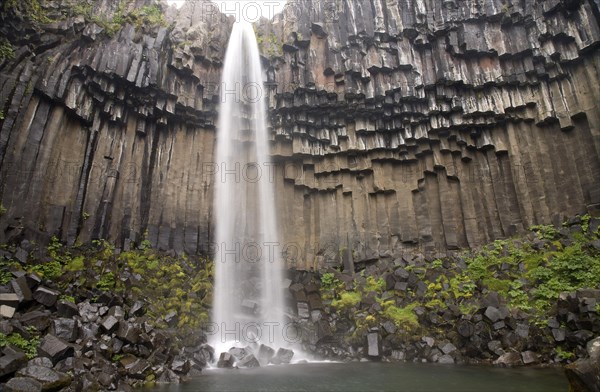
pixel 12 362
pixel 46 296
pixel 373 344
pixel 283 355
pixel 248 361
pixel 23 384
pixel 66 329
pixel 181 365
pixel 493 314
pixel 55 348
pixel 529 357
pixel 7 311
pixel 21 289
pixel 9 299
pixel 509 359
pixel 38 319
pixel 66 309
pixel 265 353
pixel 50 379
pixel 446 359
pixel 110 323
pixel 584 374
pixel 226 360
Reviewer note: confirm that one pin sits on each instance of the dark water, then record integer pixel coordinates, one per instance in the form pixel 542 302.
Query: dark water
pixel 370 376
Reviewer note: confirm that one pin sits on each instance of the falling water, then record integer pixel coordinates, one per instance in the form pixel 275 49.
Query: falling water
pixel 247 299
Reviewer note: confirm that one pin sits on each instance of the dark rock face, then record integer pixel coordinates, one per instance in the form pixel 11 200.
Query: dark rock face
pixel 584 374
pixel 428 125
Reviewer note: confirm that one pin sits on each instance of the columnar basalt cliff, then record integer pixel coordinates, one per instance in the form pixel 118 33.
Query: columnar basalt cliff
pixel 398 126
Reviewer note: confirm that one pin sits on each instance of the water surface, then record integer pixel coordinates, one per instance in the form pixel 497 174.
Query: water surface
pixel 372 376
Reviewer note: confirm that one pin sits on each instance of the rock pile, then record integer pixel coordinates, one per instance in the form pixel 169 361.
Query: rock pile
pixel 104 343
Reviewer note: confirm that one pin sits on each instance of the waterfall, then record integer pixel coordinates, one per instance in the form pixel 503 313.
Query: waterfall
pixel 248 304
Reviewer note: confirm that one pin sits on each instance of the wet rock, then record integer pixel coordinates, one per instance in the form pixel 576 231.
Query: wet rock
pixel 110 323
pixel 38 319
pixel 66 309
pixel 465 328
pixel 584 374
pixel 55 348
pixel 41 361
pixel 66 329
pixel 23 384
pixel 493 314
pixel 51 380
pixel 283 355
pixel 389 327
pixel 12 362
pixel 46 296
pixel 448 348
pixel 509 359
pixel 139 368
pixel 446 359
pixel 21 289
pixel 373 344
pixel 129 332
pixel 181 365
pixel 88 312
pixel 303 310
pixel 529 357
pixel 495 346
pixel 265 353
pixel 9 299
pixel 168 377
pixel 559 334
pixel 7 311
pixel 226 360
pixel 137 309
pixel 248 361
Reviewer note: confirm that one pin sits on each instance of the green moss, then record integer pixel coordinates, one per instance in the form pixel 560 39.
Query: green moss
pixel 347 300
pixel 402 317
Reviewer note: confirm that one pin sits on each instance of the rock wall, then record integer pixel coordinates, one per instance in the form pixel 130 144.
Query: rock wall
pixel 398 126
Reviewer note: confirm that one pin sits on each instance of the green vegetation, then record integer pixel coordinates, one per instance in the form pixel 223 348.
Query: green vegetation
pixel 168 283
pixel 6 52
pixel 30 9
pixel 269 44
pixel 28 346
pixel 148 16
pixel 401 317
pixel 529 275
pixel 347 300
pixel 2 209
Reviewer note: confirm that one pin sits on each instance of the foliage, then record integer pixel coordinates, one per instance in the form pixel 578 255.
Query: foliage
pixel 2 208
pixel 347 300
pixel 6 52
pixel 49 269
pixel 329 281
pixel 147 16
pixel 107 282
pixel 30 9
pixel 401 317
pixel 545 232
pixel 563 354
pixel 5 267
pixel 28 346
pixel 372 284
